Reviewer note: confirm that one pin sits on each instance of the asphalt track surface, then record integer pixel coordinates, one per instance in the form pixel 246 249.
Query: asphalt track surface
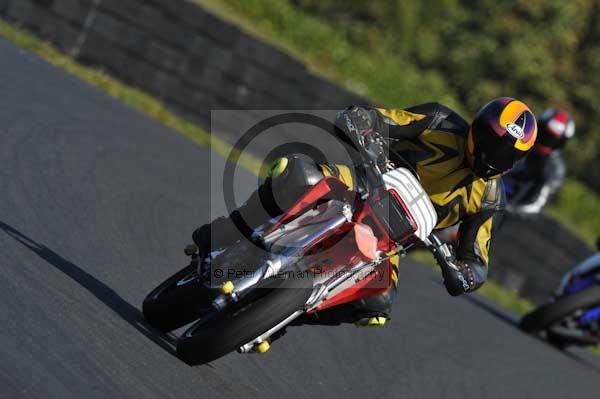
pixel 97 202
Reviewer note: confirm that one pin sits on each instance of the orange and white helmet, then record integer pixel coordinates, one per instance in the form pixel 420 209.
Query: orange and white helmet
pixel 502 133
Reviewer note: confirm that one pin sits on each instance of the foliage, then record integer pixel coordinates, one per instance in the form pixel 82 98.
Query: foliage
pixel 576 207
pixel 458 52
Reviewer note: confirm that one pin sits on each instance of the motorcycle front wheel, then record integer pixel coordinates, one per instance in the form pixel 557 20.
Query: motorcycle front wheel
pixel 210 339
pixel 178 301
pixel 545 316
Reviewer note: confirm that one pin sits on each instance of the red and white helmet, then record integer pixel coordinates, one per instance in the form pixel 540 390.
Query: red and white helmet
pixel 555 127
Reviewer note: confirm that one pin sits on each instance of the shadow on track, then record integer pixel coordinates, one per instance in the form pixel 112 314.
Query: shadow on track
pixel 104 293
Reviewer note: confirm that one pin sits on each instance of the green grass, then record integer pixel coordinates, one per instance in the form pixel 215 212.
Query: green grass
pixel 133 97
pixel 366 70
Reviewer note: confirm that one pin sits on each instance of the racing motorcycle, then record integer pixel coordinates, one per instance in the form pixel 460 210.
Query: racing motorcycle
pixel 572 315
pixel 340 243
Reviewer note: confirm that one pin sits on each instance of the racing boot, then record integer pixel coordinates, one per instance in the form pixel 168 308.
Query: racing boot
pixel 374 311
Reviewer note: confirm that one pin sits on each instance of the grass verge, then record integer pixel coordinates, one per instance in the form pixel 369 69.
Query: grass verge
pixel 367 69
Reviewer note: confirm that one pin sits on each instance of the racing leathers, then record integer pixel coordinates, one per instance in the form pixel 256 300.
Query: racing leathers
pixel 534 181
pixel 431 139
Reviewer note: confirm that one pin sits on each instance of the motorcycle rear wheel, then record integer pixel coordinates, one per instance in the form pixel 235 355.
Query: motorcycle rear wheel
pixel 208 340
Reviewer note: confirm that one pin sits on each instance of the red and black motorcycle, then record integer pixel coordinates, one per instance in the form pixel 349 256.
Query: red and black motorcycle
pixel 332 247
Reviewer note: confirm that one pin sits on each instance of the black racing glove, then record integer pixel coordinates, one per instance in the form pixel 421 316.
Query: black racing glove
pixel 358 120
pixel 460 277
pixel 359 125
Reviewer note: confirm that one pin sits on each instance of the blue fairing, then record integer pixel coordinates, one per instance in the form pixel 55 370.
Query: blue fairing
pixel 590 316
pixel 581 284
pixel 578 285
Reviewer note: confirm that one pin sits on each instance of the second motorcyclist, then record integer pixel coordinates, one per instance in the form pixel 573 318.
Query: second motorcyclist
pixel 533 182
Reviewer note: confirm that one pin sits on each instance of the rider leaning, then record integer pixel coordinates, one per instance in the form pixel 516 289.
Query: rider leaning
pixel 544 170
pixel 459 166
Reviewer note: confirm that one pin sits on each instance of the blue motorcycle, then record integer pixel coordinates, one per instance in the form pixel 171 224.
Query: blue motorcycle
pixel 572 316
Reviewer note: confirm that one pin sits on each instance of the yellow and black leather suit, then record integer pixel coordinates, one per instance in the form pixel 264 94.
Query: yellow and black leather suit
pixel 431 138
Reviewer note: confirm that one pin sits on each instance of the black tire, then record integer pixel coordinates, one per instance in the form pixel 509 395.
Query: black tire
pixel 546 315
pixel 170 306
pixel 207 341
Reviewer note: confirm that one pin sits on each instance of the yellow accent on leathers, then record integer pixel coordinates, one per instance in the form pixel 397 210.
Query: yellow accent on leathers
pixel 484 234
pixel 399 116
pixel 344 174
pixel 442 174
pixel 395 262
pixel 327 171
